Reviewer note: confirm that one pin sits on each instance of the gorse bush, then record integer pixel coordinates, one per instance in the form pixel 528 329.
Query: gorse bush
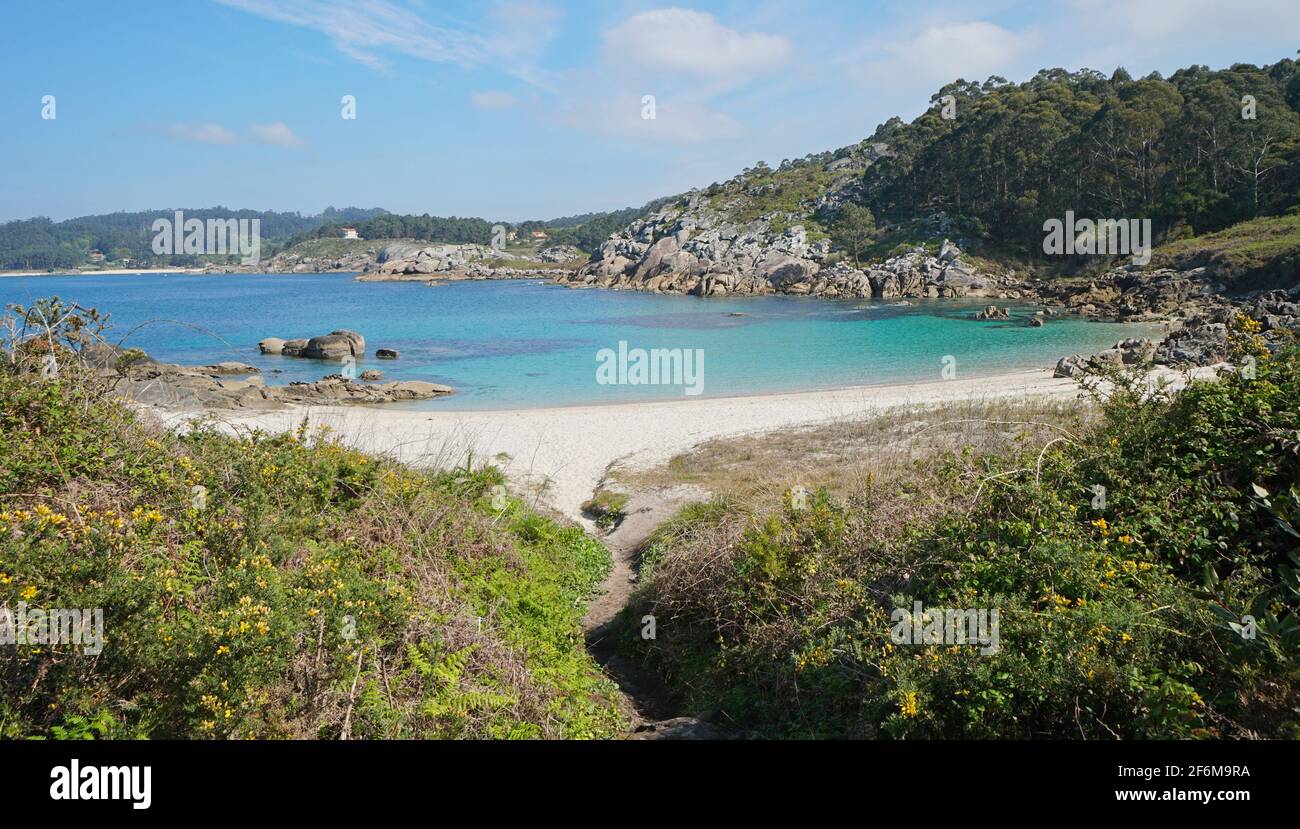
pixel 1144 570
pixel 272 586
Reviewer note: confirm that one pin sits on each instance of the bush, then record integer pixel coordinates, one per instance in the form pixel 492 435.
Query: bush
pixel 1119 620
pixel 273 586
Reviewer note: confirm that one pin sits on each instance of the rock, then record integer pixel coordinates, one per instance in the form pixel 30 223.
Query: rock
pixel 560 253
pixel 386 354
pixel 681 728
pixel 358 341
pixel 948 251
pixel 1197 343
pixel 271 345
pixel 1036 321
pixel 372 374
pixel 1130 352
pixel 293 348
pixel 328 347
pixel 229 367
pixel 992 312
pixel 1076 365
pixel 336 346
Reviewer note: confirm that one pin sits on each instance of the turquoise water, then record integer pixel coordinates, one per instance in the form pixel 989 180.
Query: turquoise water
pixel 523 343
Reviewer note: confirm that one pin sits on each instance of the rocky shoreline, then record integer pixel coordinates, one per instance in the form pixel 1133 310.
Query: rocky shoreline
pixel 234 385
pixel 691 248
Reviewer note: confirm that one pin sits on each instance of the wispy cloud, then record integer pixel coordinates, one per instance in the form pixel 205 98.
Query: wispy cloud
pixel 277 134
pixel 944 52
pixel 367 31
pixel 201 133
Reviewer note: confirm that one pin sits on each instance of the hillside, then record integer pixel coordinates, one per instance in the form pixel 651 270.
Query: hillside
pixel 127 238
pixel 1182 152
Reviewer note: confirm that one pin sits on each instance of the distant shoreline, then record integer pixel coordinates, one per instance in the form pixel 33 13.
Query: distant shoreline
pixel 112 272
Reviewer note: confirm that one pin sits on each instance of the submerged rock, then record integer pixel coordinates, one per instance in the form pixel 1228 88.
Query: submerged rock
pixel 993 312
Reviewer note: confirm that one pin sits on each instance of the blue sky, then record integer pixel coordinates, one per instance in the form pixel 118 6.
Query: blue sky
pixel 517 109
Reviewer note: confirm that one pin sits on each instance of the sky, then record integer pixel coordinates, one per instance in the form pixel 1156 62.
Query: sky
pixel 518 109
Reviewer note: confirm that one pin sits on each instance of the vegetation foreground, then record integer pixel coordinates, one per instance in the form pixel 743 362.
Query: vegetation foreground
pixel 1165 608
pixel 277 586
pixel 284 586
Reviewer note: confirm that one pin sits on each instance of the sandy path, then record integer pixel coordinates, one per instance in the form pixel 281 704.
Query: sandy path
pixel 559 455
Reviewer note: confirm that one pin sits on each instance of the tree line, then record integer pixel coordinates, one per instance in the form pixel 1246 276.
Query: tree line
pixel 42 244
pixel 1195 152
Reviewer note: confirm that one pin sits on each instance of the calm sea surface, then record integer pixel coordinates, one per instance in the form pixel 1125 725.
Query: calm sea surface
pixel 522 343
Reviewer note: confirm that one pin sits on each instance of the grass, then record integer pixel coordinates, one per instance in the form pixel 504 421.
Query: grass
pixel 843 456
pixel 1271 243
pixel 1121 616
pixel 277 586
pixel 606 506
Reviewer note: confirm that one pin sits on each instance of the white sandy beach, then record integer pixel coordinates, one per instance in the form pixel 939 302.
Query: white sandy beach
pixel 571 448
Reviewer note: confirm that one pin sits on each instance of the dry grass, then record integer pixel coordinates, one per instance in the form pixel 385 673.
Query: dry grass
pixel 852 456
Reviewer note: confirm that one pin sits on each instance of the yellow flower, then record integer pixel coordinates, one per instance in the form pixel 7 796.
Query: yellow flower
pixel 907 705
pixel 224 649
pixel 1126 539
pixel 5 578
pixel 28 592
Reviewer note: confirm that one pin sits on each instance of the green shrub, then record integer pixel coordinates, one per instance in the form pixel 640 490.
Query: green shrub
pixel 1119 621
pixel 272 586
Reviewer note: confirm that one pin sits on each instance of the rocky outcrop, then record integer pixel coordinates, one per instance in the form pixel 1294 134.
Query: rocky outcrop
pixel 336 345
pixel 1218 336
pixel 993 312
pixel 187 387
pixel 386 354
pixel 310 258
pixel 693 248
pixel 560 254
pixel 233 385
pixel 405 261
pixel 1198 343
pixel 1132 294
pixel 1130 352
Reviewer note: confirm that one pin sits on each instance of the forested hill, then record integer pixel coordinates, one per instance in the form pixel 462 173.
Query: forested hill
pixel 1195 153
pixel 126 238
pixel 40 243
pixel 1200 150
pixel 586 231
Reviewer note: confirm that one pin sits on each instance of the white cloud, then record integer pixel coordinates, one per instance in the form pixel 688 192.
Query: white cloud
pixel 277 134
pixel 1213 19
pixel 492 100
pixel 201 133
pixel 942 53
pixel 692 42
